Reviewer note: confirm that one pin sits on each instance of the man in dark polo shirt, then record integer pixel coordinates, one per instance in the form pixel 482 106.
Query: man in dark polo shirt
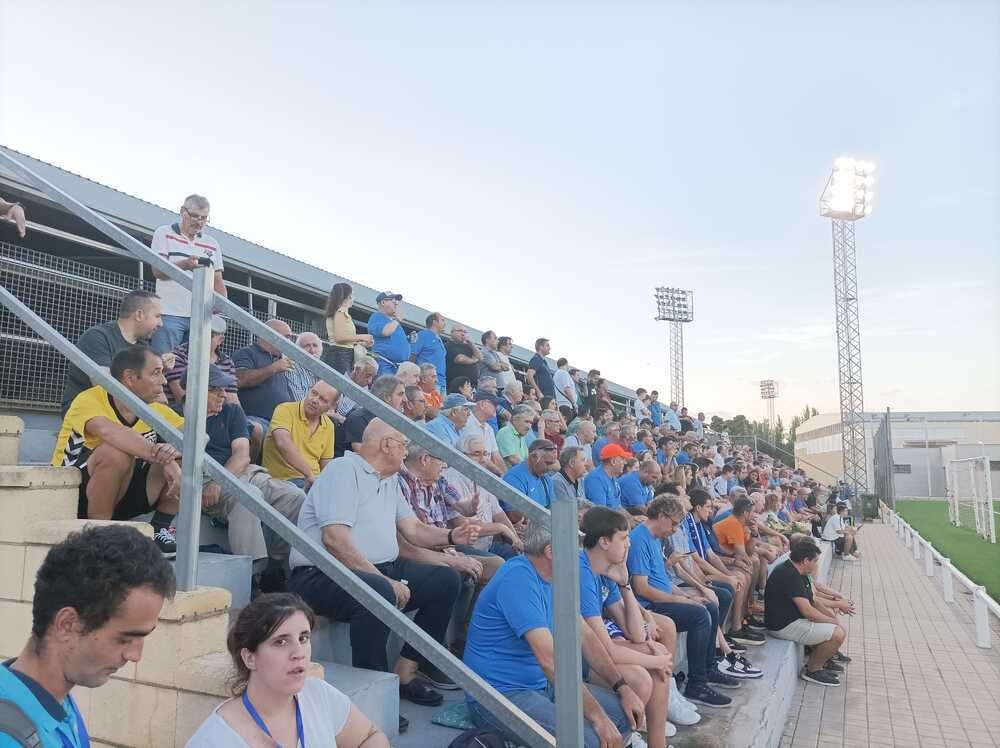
pixel 461 356
pixel 138 318
pixel 539 375
pixel 260 371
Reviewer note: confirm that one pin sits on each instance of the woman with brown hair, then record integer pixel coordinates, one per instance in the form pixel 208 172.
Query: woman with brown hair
pixel 341 331
pixel 274 703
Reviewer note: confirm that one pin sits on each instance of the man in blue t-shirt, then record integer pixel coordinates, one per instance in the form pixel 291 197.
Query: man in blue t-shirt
pixel 601 484
pixel 510 646
pixel 428 348
pixel 532 476
pixel 612 433
pixel 655 408
pixel 649 578
pixel 386 326
pixel 637 487
pixel 538 374
pixel 97 596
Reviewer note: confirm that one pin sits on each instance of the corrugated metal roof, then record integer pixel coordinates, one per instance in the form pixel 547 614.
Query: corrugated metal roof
pixel 122 207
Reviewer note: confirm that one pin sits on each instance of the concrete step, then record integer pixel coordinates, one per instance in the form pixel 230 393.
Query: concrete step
pixel 11 428
pixel 232 573
pixel 29 495
pixel 375 694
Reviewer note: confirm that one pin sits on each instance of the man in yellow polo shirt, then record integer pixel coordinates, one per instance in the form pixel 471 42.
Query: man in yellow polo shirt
pixel 126 469
pixel 299 441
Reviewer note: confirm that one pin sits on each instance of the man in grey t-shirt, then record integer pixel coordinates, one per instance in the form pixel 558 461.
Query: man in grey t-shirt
pixel 354 510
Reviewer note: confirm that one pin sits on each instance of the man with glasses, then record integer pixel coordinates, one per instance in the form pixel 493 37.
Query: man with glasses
pixel 184 245
pixel 355 510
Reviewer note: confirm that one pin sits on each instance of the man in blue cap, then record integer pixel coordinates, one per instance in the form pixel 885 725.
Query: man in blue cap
pixel 391 344
pixel 452 419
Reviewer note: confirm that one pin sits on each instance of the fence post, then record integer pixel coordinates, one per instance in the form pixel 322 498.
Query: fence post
pixel 566 615
pixel 917 540
pixel 947 581
pixel 908 536
pixel 195 413
pixel 982 618
pixel 928 561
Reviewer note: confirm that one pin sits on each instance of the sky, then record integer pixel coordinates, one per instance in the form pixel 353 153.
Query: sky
pixel 538 167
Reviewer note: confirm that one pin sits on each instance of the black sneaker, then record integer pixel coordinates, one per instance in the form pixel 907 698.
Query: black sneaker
pixel 702 694
pixel 833 667
pixel 756 624
pixel 841 658
pixel 437 678
pixel 738 666
pixel 746 636
pixel 166 540
pixel 820 677
pixel 721 680
pixel 735 645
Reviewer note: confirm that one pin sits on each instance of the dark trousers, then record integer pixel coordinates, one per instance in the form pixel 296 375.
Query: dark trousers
pixel 338 358
pixel 433 590
pixel 725 592
pixel 696 620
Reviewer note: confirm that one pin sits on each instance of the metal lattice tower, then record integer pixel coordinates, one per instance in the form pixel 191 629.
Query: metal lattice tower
pixel 768 392
pixel 852 408
pixel 677 362
pixel 676 306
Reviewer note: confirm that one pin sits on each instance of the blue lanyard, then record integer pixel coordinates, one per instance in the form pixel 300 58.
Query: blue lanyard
pixel 260 723
pixel 81 729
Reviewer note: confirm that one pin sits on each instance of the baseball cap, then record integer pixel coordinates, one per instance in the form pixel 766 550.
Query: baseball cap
pixel 489 397
pixel 388 295
pixel 614 450
pixel 218 325
pixel 218 378
pixel 456 400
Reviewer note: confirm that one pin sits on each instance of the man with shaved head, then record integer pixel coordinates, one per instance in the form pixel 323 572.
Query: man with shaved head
pixel 357 511
pixel 260 372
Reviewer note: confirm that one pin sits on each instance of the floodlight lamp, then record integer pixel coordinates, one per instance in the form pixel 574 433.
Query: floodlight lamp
pixel 844 162
pixel 847 193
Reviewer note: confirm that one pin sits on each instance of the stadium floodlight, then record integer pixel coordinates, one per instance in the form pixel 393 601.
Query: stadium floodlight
pixel 676 306
pixel 769 392
pixel 848 197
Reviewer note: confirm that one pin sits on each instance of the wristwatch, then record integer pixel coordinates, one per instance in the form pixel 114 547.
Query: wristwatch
pixel 625 586
pixel 618 684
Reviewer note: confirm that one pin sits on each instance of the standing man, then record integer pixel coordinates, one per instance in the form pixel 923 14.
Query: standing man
pixel 14 213
pixel 564 385
pixel 138 318
pixel 505 345
pixel 538 375
pixel 673 418
pixel 655 408
pixel 184 245
pixel 97 596
pixel 427 348
pixel 639 408
pixel 492 365
pixel 462 356
pixel 260 375
pixel 386 326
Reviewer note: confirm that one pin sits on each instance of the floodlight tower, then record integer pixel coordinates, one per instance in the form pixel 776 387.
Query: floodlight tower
pixel 675 306
pixel 768 392
pixel 846 199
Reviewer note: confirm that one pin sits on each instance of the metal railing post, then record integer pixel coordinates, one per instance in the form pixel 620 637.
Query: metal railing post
pixel 566 616
pixel 195 413
pixel 928 561
pixel 982 618
pixel 947 581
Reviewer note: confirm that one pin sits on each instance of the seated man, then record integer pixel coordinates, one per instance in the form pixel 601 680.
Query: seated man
pixel 261 375
pixel 386 388
pixel 837 531
pixel 510 646
pixel 415 405
pixel 299 378
pixel 299 442
pixel 568 482
pixel 484 414
pixel 432 390
pixel 654 590
pixel 532 478
pixel 355 510
pixel 792 613
pixel 177 374
pixel 496 532
pixel 452 419
pixel 125 467
pixel 637 487
pixel 601 484
pixel 512 439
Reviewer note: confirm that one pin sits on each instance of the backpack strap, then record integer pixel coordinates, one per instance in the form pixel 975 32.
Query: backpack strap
pixel 15 723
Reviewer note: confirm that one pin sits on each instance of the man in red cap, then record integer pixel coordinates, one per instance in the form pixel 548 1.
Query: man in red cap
pixel 601 484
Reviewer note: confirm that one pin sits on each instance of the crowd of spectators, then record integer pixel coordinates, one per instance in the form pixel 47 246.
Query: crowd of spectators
pixel 680 526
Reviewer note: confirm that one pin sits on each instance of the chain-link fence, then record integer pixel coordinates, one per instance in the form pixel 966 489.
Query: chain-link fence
pixel 71 296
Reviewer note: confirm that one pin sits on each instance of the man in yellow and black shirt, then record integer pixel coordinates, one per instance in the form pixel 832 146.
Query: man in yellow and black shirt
pixel 126 468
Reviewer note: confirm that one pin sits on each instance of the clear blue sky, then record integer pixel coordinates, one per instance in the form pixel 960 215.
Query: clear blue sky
pixel 537 167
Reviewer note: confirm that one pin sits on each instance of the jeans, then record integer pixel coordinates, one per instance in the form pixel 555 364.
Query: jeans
pixel 725 592
pixel 541 707
pixel 433 590
pixel 698 623
pixel 173 333
pixel 300 482
pixel 503 550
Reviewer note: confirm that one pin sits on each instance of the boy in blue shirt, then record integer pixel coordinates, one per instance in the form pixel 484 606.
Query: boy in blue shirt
pixel 98 594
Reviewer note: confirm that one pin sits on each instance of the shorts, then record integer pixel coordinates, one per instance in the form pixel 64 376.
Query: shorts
pixel 613 631
pixel 807 632
pixel 838 545
pixel 132 504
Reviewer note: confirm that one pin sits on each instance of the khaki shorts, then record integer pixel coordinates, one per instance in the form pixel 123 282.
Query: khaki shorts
pixel 803 631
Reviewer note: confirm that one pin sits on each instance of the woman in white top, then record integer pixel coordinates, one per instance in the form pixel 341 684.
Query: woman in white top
pixel 274 704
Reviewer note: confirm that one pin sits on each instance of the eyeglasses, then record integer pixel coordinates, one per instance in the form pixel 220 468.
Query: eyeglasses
pixel 405 443
pixel 196 216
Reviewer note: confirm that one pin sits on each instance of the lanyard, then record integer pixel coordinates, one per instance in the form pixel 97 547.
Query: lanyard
pixel 81 729
pixel 300 731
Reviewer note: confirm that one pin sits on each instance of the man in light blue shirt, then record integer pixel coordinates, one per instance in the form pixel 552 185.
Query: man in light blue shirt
pixel 673 419
pixel 452 419
pixel 531 476
pixel 427 348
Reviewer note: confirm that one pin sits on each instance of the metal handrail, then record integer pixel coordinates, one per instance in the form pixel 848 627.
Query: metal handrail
pixel 566 569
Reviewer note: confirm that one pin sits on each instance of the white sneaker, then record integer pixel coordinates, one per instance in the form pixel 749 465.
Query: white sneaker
pixel 678 699
pixel 671 729
pixel 849 557
pixel 682 715
pixel 637 741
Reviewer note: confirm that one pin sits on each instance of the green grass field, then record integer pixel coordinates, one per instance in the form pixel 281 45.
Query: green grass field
pixel 974 557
